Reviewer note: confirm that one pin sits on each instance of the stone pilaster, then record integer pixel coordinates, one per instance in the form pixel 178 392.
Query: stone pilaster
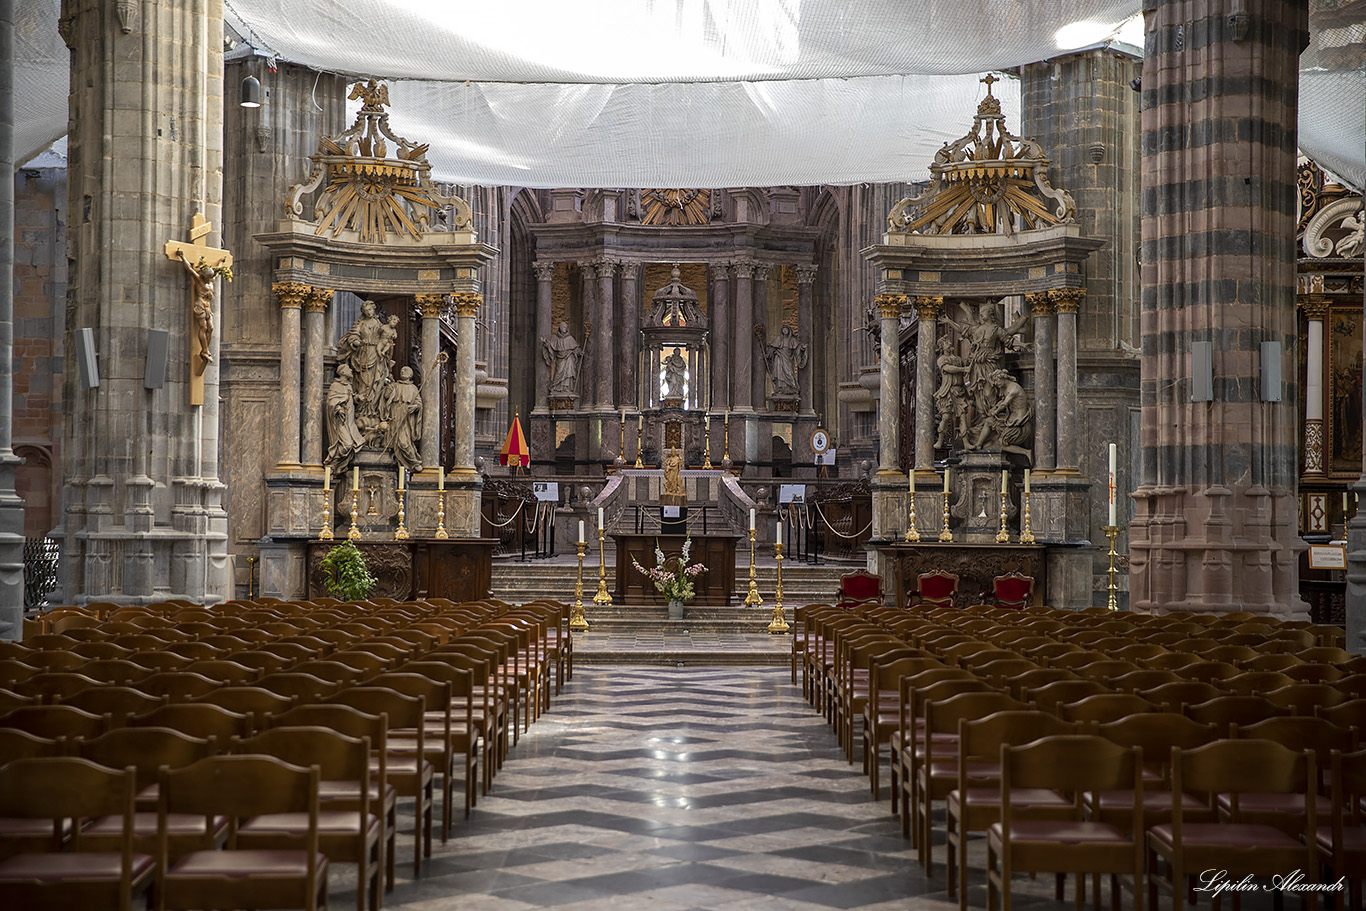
pixel 888 416
pixel 1315 308
pixel 628 351
pixel 545 276
pixel 1067 301
pixel 806 276
pixel 606 373
pixel 742 378
pixel 291 296
pixel 721 316
pixel 431 306
pixel 596 344
pixel 315 311
pixel 146 155
pixel 927 310
pixel 11 507
pixel 1216 524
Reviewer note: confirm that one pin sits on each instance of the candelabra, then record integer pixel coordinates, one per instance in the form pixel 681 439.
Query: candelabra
pixel 576 621
pixel 779 622
pixel 1003 536
pixel 602 598
pixel 639 427
pixel 912 533
pixel 354 533
pixel 753 599
pixel 706 446
pixel 1026 535
pixel 1112 532
pixel 945 534
pixel 725 455
pixel 326 533
pixel 402 533
pixel 441 515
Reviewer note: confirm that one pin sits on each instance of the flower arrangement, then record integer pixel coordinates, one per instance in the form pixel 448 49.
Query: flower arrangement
pixel 675 584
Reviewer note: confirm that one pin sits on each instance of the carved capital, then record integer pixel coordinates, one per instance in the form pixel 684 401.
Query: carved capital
pixel 1040 303
pixel 545 271
pixel 806 273
pixel 630 269
pixel 467 304
pixel 744 268
pixel 291 294
pixel 607 267
pixel 589 270
pixel 430 304
pixel 1067 300
pixel 318 300
pixel 929 306
pixel 1315 306
pixel 890 305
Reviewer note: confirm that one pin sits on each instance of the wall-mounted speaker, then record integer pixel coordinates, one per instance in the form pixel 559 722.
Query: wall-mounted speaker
pixel 154 375
pixel 1271 371
pixel 1202 371
pixel 86 360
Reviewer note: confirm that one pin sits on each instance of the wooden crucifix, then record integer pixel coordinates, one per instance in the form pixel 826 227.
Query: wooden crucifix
pixel 204 263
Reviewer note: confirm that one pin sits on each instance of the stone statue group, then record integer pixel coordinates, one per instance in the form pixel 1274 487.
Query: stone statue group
pixel 979 403
pixel 366 407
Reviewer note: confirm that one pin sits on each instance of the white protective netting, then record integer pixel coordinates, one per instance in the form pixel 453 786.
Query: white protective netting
pixel 693 92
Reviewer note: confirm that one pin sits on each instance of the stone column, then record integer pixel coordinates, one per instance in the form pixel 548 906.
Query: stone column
pixel 606 334
pixel 315 311
pixel 291 296
pixel 759 375
pixel 1315 308
pixel 888 413
pixel 1047 384
pixel 1068 417
pixel 466 309
pixel 594 344
pixel 742 392
pixel 1218 479
pixel 927 308
pixel 721 315
pixel 431 306
pixel 11 507
pixel 628 347
pixel 806 276
pixel 545 275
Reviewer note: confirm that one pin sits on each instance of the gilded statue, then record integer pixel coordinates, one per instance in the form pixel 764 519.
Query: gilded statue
pixel 673 468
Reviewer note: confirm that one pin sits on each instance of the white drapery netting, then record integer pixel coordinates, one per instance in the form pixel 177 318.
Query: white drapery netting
pixel 694 92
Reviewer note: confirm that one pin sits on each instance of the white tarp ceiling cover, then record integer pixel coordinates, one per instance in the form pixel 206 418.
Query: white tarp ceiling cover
pixel 694 92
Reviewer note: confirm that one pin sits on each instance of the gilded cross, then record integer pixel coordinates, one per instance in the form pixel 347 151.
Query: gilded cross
pixel 989 78
pixel 204 263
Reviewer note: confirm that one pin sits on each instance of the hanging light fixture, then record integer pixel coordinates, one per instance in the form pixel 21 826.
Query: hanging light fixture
pixel 251 92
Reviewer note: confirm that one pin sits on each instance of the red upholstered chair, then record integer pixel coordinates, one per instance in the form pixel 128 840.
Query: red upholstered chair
pixel 1012 590
pixel 937 589
pixel 857 588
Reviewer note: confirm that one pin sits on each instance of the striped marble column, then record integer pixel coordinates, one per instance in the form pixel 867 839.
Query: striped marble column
pixel 291 296
pixel 927 309
pixel 1067 301
pixel 545 277
pixel 1215 523
pixel 315 310
pixel 889 397
pixel 1045 413
pixel 1315 308
pixel 721 316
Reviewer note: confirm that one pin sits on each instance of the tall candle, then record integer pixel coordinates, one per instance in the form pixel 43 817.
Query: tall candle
pixel 751 520
pixel 581 531
pixel 401 477
pixel 440 477
pixel 327 477
pixel 778 535
pixel 1112 483
pixel 1026 480
pixel 599 517
pixel 1005 480
pixel 946 479
pixel 355 477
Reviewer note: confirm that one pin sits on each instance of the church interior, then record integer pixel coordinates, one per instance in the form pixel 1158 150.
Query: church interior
pixel 995 389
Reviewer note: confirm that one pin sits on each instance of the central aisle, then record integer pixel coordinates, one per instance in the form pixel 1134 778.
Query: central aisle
pixel 663 789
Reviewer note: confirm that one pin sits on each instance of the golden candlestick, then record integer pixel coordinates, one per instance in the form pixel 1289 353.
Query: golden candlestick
pixel 441 515
pixel 706 445
pixel 753 599
pixel 1112 532
pixel 354 533
pixel 912 533
pixel 602 598
pixel 402 533
pixel 945 534
pixel 621 447
pixel 779 622
pixel 576 621
pixel 1003 536
pixel 326 533
pixel 640 425
pixel 725 456
pixel 1026 536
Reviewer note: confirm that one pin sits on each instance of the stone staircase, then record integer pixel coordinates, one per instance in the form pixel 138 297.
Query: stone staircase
pixel 643 634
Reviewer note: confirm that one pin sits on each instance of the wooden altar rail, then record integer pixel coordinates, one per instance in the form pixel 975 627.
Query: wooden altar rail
pixel 976 565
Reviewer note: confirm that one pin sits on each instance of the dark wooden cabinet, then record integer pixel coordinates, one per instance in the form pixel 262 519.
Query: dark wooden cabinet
pixel 716 552
pixel 460 569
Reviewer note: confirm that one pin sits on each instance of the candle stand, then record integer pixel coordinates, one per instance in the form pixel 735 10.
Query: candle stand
pixel 1003 536
pixel 1026 534
pixel 402 533
pixel 577 623
pixel 1112 532
pixel 326 533
pixel 752 599
pixel 441 515
pixel 354 533
pixel 602 598
pixel 912 533
pixel 945 534
pixel 779 622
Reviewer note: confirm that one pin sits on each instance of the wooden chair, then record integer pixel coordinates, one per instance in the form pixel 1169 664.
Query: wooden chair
pixel 443 736
pixel 1156 734
pixel 352 836
pixel 1342 844
pixel 1234 846
pixel 1104 707
pixel 118 702
pixel 1304 698
pixel 858 588
pixel 1225 711
pixel 1052 695
pixel 242 787
pixel 197 720
pixel 52 721
pixel 1012 590
pixel 253 701
pixel 1070 764
pixel 1297 733
pixel 936 589
pixel 61 874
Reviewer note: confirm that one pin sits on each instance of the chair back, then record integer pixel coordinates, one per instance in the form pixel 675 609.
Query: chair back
pixel 858 587
pixel 1012 590
pixel 937 588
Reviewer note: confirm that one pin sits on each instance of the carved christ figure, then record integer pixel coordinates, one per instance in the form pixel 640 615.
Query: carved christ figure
pixel 201 306
pixel 562 355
